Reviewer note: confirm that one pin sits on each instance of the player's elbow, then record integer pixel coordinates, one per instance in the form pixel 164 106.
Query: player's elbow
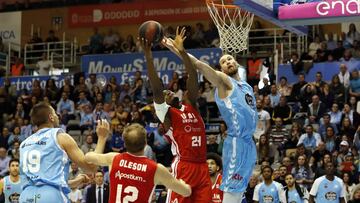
pixel 187 192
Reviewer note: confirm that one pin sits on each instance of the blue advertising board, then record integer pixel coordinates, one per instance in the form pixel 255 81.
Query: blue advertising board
pixel 328 70
pixel 131 62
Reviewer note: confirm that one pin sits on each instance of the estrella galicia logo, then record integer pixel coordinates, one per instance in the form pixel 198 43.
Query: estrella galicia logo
pixel 249 99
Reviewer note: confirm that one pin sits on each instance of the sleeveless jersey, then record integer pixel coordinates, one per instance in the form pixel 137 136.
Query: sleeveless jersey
pixel 132 179
pixel 239 152
pixel 43 161
pixel 12 190
pixel 216 193
pixel 187 134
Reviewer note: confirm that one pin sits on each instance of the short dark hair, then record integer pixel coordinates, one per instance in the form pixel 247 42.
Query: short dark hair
pixel 134 138
pixel 265 167
pixel 13 160
pixel 216 158
pixel 40 113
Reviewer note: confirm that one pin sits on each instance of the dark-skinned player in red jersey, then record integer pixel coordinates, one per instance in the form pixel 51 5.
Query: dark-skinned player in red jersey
pixel 185 127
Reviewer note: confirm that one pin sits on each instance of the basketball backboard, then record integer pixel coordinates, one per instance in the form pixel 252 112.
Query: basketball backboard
pixel 265 10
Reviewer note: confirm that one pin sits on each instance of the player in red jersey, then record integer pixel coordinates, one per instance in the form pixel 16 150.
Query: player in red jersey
pixel 215 166
pixel 184 127
pixel 133 176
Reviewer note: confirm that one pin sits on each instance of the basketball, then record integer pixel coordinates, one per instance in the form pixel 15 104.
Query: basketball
pixel 152 31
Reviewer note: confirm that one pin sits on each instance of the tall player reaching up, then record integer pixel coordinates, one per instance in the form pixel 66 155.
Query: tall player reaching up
pixel 236 102
pixel 184 127
pixel 133 176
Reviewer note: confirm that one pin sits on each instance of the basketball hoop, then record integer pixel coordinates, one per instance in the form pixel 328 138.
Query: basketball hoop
pixel 233 24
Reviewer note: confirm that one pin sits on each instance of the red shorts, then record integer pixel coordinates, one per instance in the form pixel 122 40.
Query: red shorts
pixel 197 176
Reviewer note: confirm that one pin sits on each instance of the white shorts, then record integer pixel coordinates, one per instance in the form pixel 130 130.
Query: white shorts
pixel 232 197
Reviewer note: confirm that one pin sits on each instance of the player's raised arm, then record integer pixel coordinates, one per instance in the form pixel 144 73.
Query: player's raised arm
pixel 216 78
pixel 155 81
pixel 97 157
pixel 163 177
pixel 192 84
pixel 73 151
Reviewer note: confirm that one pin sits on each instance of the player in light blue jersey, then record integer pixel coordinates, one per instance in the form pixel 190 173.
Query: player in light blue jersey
pixel 237 105
pixel 293 192
pixel 328 188
pixel 269 191
pixel 45 155
pixel 12 184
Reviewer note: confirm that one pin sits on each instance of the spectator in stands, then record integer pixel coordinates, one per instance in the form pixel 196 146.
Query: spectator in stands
pixel 326 96
pixel 117 142
pixel 346 127
pixel 314 46
pixel 138 92
pixel 99 113
pixel 99 187
pixel 89 144
pixel 264 123
pixel 212 146
pixel 296 64
pixel 352 35
pixel 15 136
pixel 303 173
pixel 357 138
pixel 52 39
pixel 65 108
pixel 199 34
pixel 249 194
pixel 211 34
pixel 284 88
pixel 86 117
pixel 322 53
pixel 51 90
pixel 113 82
pixel 38 47
pixel 315 111
pixel 4 162
pixel 283 111
pixel 347 57
pixel 2 45
pixel 331 44
pixel 343 151
pixel 80 87
pixel 294 135
pixel 110 41
pixel 254 65
pixel 43 66
pixel 326 123
pixel 265 149
pixel 18 68
pixel 296 91
pixel 91 83
pixel 96 43
pixel 274 96
pixel 316 157
pixel 266 89
pixel 36 90
pixel 14 151
pixel 355 84
pixel 74 170
pixel 278 136
pixel 319 80
pixel 352 115
pixel 355 194
pixel 178 92
pixel 338 89
pixel 338 52
pixel 128 45
pixel 330 139
pixel 310 139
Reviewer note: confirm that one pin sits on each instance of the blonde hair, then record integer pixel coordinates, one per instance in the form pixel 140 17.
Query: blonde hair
pixel 134 138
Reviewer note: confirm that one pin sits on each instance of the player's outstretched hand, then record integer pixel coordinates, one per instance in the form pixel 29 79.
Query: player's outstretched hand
pixel 103 128
pixel 179 39
pixel 145 45
pixel 85 178
pixel 169 43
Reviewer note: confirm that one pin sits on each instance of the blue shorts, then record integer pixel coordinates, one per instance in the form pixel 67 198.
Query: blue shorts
pixel 239 159
pixel 43 194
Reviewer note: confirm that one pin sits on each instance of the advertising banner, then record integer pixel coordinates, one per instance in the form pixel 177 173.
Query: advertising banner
pixel 127 64
pixel 136 13
pixel 10 27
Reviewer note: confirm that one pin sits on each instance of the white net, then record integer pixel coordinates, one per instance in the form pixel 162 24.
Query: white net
pixel 233 24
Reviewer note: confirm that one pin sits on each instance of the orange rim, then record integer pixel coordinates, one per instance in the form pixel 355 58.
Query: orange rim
pixel 211 2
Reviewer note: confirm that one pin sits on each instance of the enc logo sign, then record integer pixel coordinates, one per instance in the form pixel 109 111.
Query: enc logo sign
pixel 344 7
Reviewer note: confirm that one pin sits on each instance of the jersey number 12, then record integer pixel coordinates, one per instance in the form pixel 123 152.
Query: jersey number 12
pixel 127 198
